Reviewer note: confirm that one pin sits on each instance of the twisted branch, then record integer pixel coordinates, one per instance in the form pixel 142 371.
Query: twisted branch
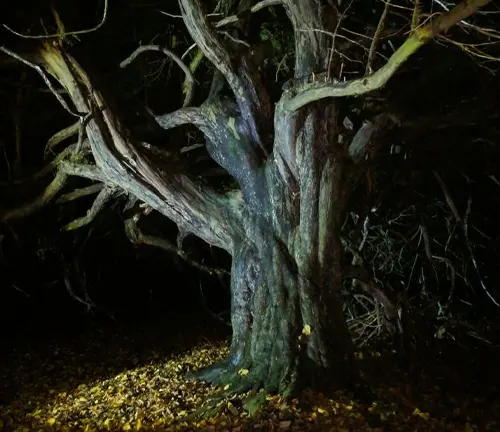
pixel 310 92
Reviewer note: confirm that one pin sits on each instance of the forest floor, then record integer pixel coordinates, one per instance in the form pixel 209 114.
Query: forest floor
pixel 120 380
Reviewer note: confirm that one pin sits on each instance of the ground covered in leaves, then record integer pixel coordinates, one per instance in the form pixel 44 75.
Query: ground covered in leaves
pixel 110 381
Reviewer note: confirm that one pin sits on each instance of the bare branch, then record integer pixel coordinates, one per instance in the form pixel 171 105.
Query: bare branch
pixel 136 236
pixel 358 149
pixel 310 92
pixel 90 172
pixel 472 256
pixel 80 193
pixel 432 258
pixel 313 23
pixel 189 90
pixel 60 136
pixel 121 160
pixel 415 18
pixel 44 77
pixel 46 170
pixel 181 117
pixel 234 18
pixel 252 97
pixel 64 34
pixel 228 143
pixel 104 197
pixel 447 196
pixel 39 202
pixel 376 38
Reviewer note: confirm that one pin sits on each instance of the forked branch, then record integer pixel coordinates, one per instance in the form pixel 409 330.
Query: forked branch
pixel 251 96
pixel 310 92
pixel 189 76
pixel 105 196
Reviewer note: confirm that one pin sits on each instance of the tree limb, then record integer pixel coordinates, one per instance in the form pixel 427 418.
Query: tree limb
pixel 228 143
pixel 310 92
pixel 307 17
pixel 189 90
pixel 80 193
pixel 252 98
pixel 124 162
pixel 104 196
pixel 46 170
pixel 136 236
pixel 43 199
pixel 90 172
pixel 61 136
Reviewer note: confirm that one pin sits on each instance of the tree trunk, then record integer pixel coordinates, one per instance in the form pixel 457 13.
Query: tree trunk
pixel 288 328
pixel 288 325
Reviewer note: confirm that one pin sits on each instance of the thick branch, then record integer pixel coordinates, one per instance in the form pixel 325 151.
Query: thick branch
pixel 252 98
pixel 90 172
pixel 80 193
pixel 228 143
pixel 311 92
pixel 104 197
pixel 136 236
pixel 311 21
pixel 124 163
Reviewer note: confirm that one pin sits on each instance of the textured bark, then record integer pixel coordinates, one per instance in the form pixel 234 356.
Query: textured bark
pixel 288 326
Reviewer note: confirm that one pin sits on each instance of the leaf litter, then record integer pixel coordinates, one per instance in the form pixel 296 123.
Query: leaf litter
pixel 109 385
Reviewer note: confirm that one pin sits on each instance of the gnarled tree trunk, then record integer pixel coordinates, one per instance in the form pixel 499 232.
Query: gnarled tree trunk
pixel 295 172
pixel 288 325
pixel 282 227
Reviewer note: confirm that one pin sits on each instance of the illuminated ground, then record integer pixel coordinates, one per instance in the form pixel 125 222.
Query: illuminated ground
pixel 132 382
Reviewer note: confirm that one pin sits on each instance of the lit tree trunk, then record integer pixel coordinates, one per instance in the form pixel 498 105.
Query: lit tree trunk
pixel 288 325
pixel 286 313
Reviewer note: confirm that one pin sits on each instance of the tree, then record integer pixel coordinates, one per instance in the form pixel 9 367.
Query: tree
pixel 295 173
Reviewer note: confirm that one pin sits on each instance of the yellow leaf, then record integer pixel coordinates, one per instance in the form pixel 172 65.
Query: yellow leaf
pixel 107 424
pixel 421 414
pixel 243 372
pixel 226 386
pixel 306 330
pixel 127 426
pixel 138 424
pixel 51 421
